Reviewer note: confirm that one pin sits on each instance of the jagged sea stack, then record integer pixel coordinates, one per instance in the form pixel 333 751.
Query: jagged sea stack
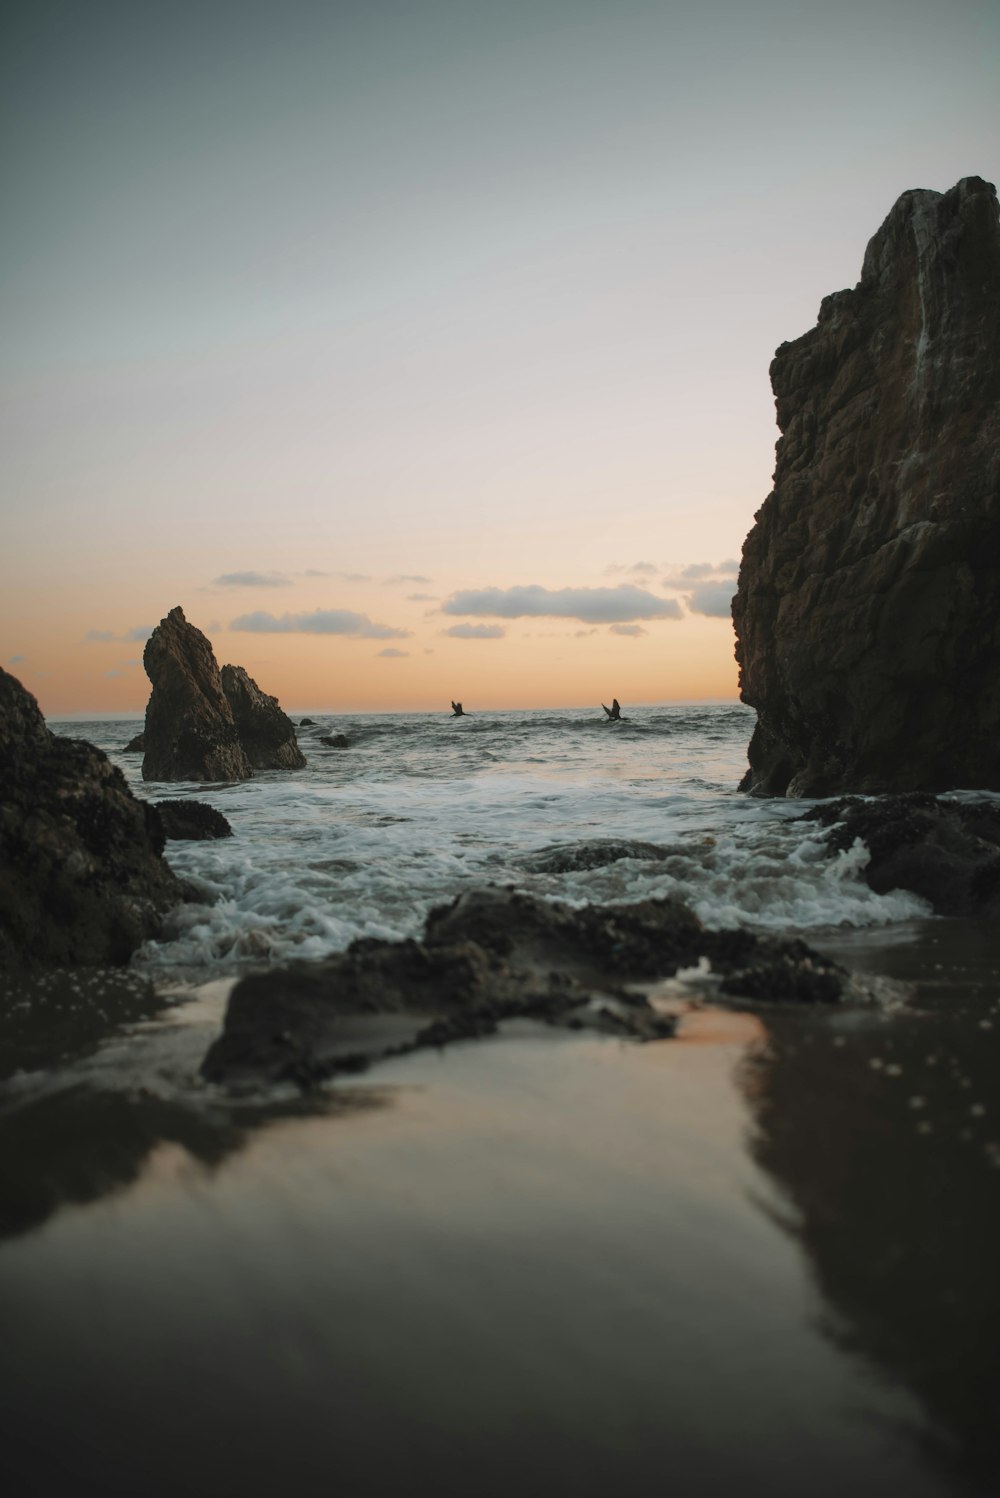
pixel 266 733
pixel 868 610
pixel 190 730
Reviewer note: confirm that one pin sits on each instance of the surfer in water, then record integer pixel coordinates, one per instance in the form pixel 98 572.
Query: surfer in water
pixel 457 710
pixel 614 712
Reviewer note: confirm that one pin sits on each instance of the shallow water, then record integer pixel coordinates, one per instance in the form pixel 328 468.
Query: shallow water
pixel 758 1258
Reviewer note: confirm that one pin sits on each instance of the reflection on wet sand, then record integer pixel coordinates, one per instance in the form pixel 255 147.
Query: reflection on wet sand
pixel 882 1133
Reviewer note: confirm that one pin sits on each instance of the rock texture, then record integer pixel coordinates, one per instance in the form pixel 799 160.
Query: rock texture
pixel 190 730
pixel 82 876
pixel 490 956
pixel 947 851
pixel 191 821
pixel 265 732
pixel 868 609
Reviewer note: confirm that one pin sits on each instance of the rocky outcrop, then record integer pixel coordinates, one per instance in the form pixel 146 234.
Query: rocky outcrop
pixel 494 955
pixel 266 734
pixel 136 745
pixel 946 851
pixel 191 821
pixel 82 876
pixel 335 740
pixel 868 609
pixel 190 731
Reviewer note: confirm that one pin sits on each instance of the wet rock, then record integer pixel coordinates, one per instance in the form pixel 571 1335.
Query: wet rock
pixel 265 732
pixel 191 821
pixel 946 851
pixel 494 955
pixel 868 608
pixel 190 730
pixel 82 874
pixel 307 723
pixel 136 745
pixel 335 740
pixel 596 854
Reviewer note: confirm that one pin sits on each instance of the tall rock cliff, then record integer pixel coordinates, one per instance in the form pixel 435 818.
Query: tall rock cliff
pixel 868 610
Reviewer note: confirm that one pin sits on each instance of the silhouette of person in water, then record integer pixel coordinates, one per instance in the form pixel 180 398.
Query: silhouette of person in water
pixel 614 712
pixel 457 710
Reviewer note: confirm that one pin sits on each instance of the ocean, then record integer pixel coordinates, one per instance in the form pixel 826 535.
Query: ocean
pixel 564 804
pixel 759 1257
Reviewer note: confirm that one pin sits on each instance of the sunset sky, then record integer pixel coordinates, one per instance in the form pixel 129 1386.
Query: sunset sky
pixel 420 349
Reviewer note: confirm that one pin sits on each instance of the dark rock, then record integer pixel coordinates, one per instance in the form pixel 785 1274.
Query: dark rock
pixel 307 723
pixel 82 876
pixel 136 745
pixel 266 733
pixel 191 820
pixel 190 730
pixel 490 956
pixel 868 609
pixel 335 740
pixel 946 851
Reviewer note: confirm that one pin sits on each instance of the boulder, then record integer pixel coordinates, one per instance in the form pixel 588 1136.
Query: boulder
pixel 191 821
pixel 82 874
pixel 335 740
pixel 265 732
pixel 136 745
pixel 868 609
pixel 190 730
pixel 946 851
pixel 493 955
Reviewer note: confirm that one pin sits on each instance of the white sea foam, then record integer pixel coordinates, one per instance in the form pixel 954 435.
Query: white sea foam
pixel 366 840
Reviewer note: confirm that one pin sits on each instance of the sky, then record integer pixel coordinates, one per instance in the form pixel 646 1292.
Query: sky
pixel 419 350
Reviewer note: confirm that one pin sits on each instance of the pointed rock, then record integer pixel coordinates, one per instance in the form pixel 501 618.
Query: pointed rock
pixel 266 733
pixel 190 731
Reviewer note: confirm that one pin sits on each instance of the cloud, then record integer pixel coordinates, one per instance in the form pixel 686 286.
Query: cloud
pixel 420 598
pixel 698 572
pixel 15 659
pixel 408 577
pixel 319 622
pixel 582 634
pixel 714 599
pixel 252 580
pixel 628 629
pixel 390 653
pixel 476 631
pixel 136 635
pixel 646 568
pixel 589 605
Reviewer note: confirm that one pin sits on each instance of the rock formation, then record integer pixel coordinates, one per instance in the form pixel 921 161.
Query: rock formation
pixel 868 609
pixel 494 955
pixel 82 876
pixel 203 724
pixel 267 735
pixel 190 731
pixel 191 821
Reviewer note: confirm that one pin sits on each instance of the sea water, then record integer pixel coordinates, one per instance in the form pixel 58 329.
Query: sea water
pixel 564 804
pixel 755 1258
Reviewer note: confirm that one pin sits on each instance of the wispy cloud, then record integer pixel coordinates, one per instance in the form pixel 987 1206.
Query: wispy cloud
pixel 390 653
pixel 476 632
pixel 683 577
pixel 420 598
pixel 628 629
pixel 133 636
pixel 15 660
pixel 252 580
pixel 590 605
pixel 319 622
pixel 408 577
pixel 714 599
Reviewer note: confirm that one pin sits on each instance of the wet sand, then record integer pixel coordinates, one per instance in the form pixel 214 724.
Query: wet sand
pixel 757 1258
